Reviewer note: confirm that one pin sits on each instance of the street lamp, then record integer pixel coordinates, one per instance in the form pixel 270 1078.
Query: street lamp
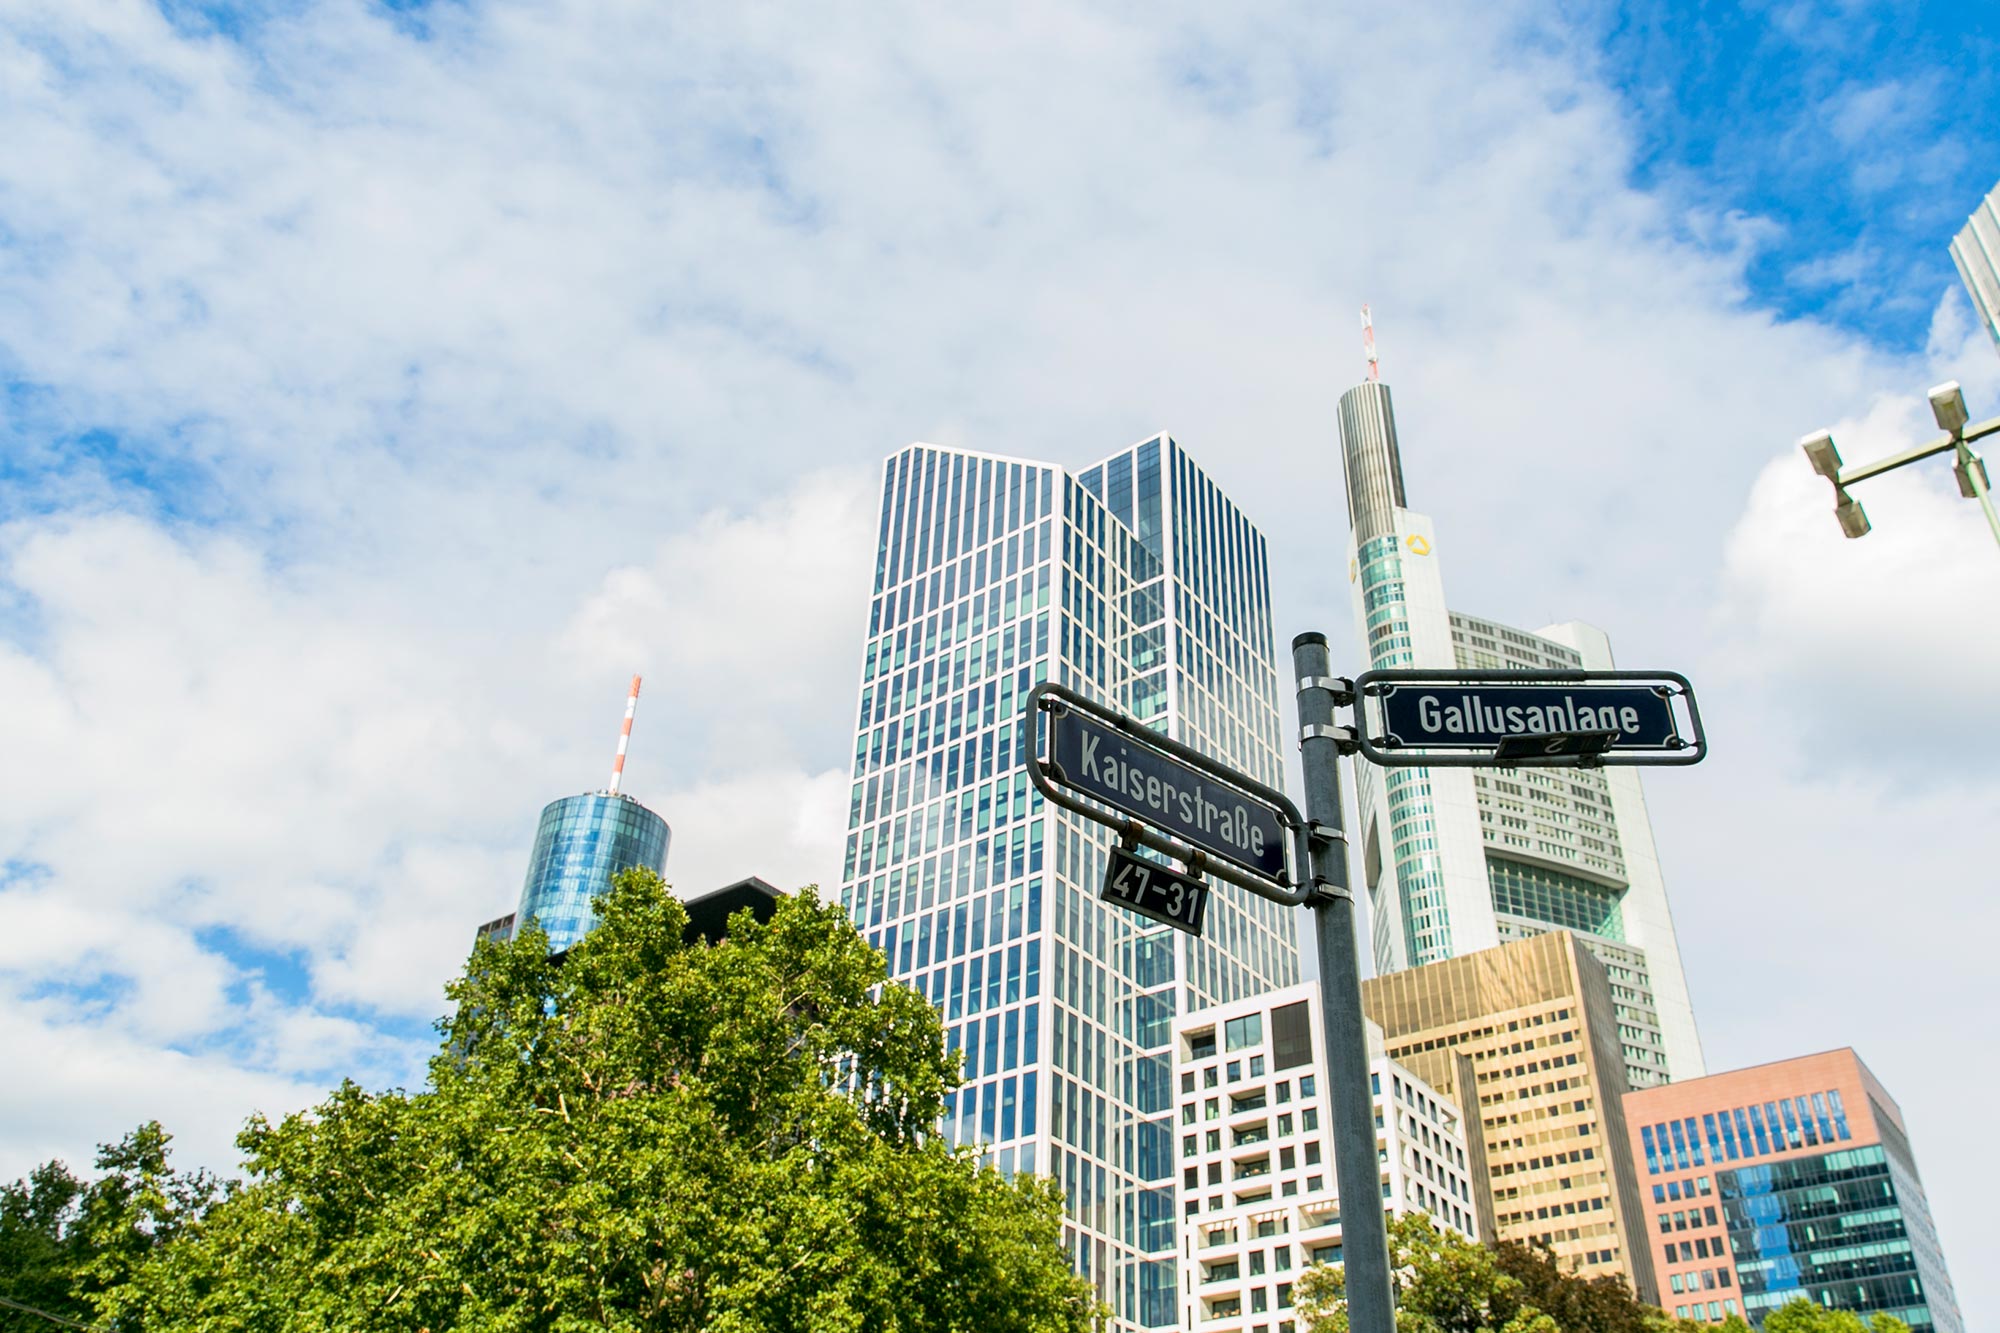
pixel 1948 408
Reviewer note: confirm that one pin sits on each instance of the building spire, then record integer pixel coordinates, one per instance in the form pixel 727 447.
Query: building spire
pixel 1368 345
pixel 625 736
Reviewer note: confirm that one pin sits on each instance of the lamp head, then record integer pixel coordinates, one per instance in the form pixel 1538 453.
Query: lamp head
pixel 1825 459
pixel 1966 470
pixel 1948 406
pixel 1853 518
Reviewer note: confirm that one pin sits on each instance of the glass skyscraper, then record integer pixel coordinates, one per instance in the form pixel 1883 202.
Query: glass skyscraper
pixel 581 843
pixel 1976 252
pixel 1137 583
pixel 1458 860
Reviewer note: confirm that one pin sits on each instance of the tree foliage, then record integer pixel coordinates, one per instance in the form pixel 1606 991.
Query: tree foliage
pixel 1445 1283
pixel 646 1135
pixel 1804 1316
pixel 64 1241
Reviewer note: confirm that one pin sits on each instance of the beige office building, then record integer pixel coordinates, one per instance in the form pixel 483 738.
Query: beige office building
pixel 1526 1034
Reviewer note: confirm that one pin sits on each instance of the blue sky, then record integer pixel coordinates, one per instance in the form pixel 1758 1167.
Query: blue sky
pixel 383 387
pixel 1860 134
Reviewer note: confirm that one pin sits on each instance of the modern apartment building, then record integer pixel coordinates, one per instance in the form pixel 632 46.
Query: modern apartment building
pixel 1259 1199
pixel 1524 1037
pixel 1976 251
pixel 1138 583
pixel 1788 1180
pixel 1457 860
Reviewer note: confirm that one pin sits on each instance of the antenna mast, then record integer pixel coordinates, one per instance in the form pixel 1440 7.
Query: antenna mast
pixel 625 735
pixel 1368 345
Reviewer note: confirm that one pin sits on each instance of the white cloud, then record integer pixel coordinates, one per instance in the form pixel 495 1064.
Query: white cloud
pixel 446 384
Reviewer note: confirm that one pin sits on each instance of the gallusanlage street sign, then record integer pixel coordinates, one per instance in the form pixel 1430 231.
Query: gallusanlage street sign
pixel 1151 786
pixel 1527 718
pixel 1154 890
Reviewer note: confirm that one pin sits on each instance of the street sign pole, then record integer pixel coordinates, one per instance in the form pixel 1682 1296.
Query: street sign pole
pixel 1364 1237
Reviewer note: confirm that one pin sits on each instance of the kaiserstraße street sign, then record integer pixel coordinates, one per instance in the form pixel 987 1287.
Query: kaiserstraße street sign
pixel 1128 774
pixel 1154 890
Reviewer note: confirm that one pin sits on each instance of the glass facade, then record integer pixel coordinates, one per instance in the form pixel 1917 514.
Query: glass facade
pixel 1412 825
pixel 1553 899
pixel 1789 1181
pixel 1136 583
pixel 581 843
pixel 1831 1228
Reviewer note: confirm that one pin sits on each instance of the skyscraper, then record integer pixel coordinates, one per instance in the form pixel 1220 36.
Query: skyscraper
pixel 580 843
pixel 1137 583
pixel 1788 1180
pixel 1525 1038
pixel 1457 860
pixel 1976 251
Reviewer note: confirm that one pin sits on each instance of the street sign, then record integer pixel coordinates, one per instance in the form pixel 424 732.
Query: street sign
pixel 1128 774
pixel 1154 890
pixel 1527 718
pixel 1480 717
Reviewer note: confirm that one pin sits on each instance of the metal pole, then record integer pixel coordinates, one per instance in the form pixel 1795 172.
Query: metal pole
pixel 1364 1239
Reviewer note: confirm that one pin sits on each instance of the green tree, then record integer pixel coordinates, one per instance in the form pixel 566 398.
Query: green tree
pixel 63 1241
pixel 40 1246
pixel 1804 1316
pixel 1576 1303
pixel 648 1135
pixel 1445 1283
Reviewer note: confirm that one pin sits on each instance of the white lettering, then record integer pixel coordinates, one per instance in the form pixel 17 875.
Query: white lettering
pixel 1427 712
pixel 1628 720
pixel 1090 756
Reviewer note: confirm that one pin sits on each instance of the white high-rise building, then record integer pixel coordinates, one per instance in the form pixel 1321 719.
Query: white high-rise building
pixel 1976 251
pixel 1257 1183
pixel 1460 859
pixel 1137 583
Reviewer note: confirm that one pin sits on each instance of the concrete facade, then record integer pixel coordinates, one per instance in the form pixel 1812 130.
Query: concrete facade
pixel 1259 1194
pixel 1527 1033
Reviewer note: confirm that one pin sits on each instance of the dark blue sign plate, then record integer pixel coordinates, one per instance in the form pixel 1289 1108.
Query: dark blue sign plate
pixel 1481 716
pixel 1124 773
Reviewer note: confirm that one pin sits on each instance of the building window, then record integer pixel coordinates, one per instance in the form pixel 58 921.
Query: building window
pixel 1291 1036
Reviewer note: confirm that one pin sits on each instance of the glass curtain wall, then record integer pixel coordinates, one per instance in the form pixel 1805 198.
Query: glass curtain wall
pixel 1138 585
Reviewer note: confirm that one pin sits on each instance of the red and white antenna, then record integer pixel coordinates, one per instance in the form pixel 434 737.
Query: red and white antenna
pixel 625 735
pixel 1368 344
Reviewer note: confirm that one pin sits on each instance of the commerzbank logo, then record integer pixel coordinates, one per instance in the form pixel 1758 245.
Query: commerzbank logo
pixel 1416 543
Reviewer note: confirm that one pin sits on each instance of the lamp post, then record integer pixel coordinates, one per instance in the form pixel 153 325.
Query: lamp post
pixel 1948 407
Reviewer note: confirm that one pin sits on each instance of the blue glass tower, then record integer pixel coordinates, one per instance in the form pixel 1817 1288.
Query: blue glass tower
pixel 582 842
pixel 1138 582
